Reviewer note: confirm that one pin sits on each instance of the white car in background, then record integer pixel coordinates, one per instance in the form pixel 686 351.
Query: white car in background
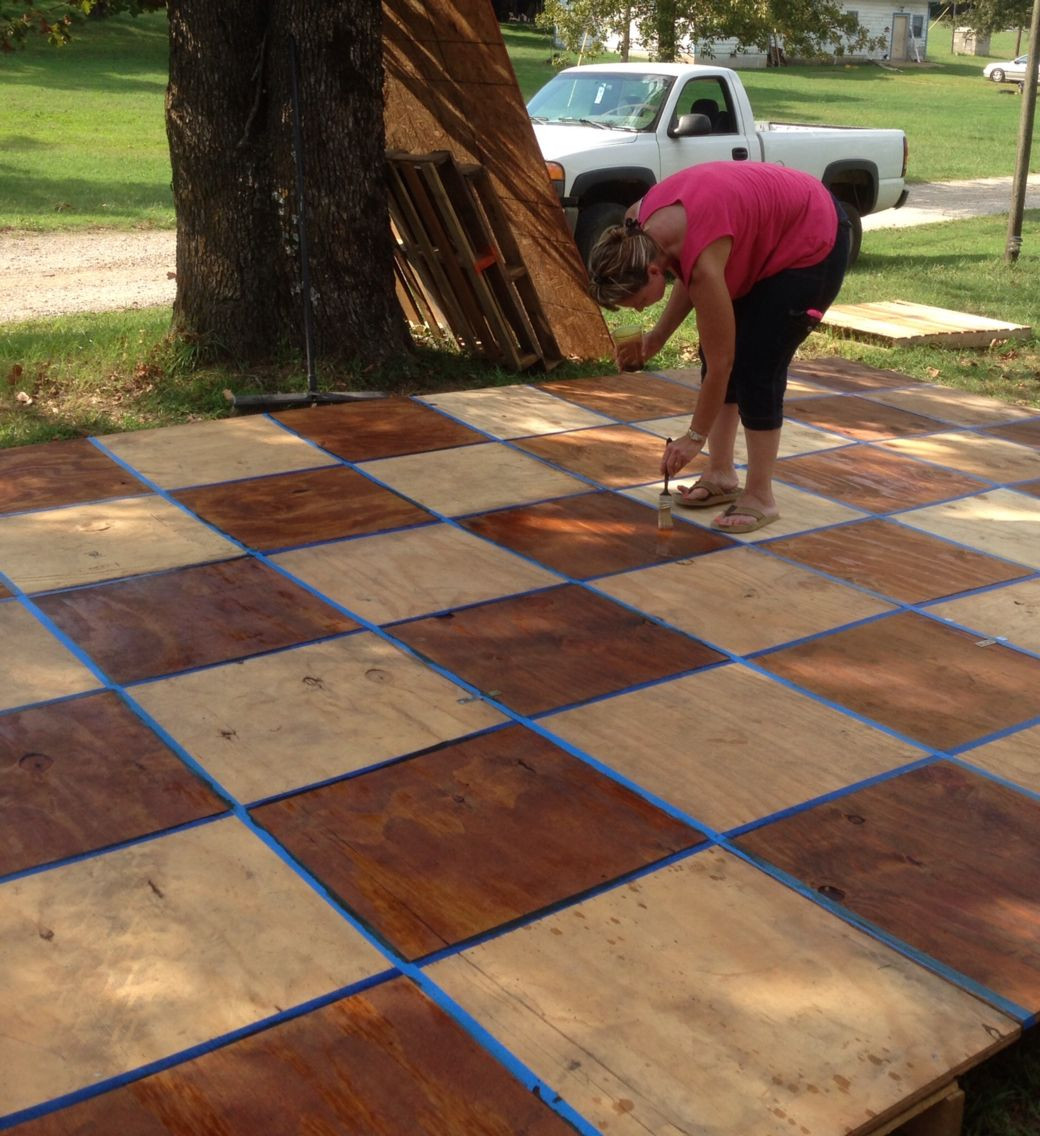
pixel 1010 71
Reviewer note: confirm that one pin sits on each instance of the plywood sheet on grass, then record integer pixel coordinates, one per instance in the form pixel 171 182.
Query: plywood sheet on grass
pixel 905 324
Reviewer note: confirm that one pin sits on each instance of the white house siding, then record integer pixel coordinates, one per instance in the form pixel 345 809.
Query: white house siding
pixel 878 17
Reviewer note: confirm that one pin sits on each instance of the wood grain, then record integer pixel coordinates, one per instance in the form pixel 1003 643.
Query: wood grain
pixel 137 629
pixel 627 398
pixel 172 942
pixel 1011 614
pixel 84 774
pixel 36 666
pixel 201 453
pixel 735 766
pixel 972 453
pixel 301 508
pixel 453 843
pixel 848 375
pixel 860 418
pixel 564 645
pixel 874 480
pixel 934 684
pixel 382 428
pixel 941 858
pixel 896 561
pixel 593 534
pixel 612 455
pixel 1015 757
pixel 706 997
pixel 514 412
pixel 285 720
pixel 742 599
pixel 381 1063
pixel 1024 433
pixel 60 473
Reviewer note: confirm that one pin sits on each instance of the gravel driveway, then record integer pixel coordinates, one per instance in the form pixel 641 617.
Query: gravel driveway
pixel 48 274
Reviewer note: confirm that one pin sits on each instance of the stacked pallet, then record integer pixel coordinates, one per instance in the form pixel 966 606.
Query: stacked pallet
pixel 459 271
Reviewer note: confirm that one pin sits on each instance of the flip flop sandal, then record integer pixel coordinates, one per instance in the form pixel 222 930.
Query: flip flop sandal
pixel 760 519
pixel 716 495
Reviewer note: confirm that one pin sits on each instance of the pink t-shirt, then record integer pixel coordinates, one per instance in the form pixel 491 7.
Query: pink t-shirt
pixel 778 218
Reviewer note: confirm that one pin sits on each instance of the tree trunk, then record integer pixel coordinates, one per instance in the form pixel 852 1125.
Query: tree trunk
pixel 230 125
pixel 667 45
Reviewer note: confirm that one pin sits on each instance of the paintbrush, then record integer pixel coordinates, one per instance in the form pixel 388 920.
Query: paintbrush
pixel 664 503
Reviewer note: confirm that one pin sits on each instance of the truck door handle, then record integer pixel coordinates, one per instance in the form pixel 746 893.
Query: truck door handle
pixel 739 154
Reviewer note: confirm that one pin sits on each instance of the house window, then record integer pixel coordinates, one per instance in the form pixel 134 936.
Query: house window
pixel 917 26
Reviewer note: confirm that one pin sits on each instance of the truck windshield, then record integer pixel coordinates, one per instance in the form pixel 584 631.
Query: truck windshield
pixel 599 98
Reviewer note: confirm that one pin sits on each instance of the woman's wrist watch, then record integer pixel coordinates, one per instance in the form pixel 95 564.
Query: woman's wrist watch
pixel 694 436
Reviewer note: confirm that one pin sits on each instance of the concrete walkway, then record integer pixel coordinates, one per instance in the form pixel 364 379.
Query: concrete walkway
pixel 954 201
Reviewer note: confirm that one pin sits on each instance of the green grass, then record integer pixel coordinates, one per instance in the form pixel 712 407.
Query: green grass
pixel 82 130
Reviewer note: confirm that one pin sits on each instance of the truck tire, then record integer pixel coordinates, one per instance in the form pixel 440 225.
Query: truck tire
pixel 593 220
pixel 855 233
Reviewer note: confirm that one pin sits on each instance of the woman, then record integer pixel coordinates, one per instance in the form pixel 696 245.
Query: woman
pixel 759 253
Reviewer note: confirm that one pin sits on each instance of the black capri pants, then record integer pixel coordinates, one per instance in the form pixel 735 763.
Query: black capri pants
pixel 772 320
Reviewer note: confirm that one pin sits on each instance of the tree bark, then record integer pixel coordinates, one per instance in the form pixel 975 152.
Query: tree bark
pixel 230 126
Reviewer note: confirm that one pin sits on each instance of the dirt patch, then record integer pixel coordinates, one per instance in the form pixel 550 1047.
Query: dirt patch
pixel 48 274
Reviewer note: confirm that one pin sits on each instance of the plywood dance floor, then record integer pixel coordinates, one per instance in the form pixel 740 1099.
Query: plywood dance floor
pixel 381 769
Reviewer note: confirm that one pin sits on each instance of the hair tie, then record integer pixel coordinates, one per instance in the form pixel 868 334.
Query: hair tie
pixel 632 227
pixel 598 280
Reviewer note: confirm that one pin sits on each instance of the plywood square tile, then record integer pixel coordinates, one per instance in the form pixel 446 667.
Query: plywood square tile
pixel 754 1011
pixel 741 599
pixel 472 479
pixel 35 666
pixel 1024 433
pixel 874 479
pixel 1015 757
pixel 593 534
pixel 735 765
pixel 87 773
pixel 1001 522
pixel 301 508
pixel 404 574
pixel 60 473
pixel 687 376
pixel 381 428
pixel 1030 487
pixel 560 646
pixel 514 412
pixel 973 453
pixel 959 407
pixel 933 683
pixel 626 398
pixel 84 544
pixel 379 1063
pixel 611 455
pixel 798 510
pixel 172 942
pixel 199 453
pixel 897 561
pixel 859 418
pixel 847 375
pixel 940 857
pixel 4 592
pixel 1011 613
pixel 283 721
pixel 795 438
pixel 171 621
pixel 448 845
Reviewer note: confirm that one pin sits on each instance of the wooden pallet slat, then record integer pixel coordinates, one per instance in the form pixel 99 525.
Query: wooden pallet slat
pixel 898 321
pixel 458 266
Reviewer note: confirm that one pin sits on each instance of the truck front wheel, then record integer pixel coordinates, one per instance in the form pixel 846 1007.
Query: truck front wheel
pixel 593 221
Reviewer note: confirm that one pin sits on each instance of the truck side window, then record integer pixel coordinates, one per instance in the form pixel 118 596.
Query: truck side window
pixel 708 97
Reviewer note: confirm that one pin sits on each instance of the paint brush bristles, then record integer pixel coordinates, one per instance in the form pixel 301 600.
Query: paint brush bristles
pixel 664 504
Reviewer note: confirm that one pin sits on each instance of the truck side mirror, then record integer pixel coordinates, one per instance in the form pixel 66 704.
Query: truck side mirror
pixel 690 126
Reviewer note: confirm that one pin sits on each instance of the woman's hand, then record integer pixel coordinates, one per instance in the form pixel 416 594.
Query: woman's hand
pixel 630 353
pixel 678 454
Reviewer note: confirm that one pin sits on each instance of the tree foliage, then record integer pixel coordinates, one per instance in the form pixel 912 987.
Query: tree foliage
pixel 668 29
pixel 56 21
pixel 987 16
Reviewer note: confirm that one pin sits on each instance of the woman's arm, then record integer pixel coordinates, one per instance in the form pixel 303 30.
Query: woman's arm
pixel 708 295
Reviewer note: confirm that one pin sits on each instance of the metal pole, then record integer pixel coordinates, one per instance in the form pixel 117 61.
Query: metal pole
pixel 1025 140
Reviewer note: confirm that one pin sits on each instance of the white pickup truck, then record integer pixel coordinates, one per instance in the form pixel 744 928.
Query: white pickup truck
pixel 610 131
